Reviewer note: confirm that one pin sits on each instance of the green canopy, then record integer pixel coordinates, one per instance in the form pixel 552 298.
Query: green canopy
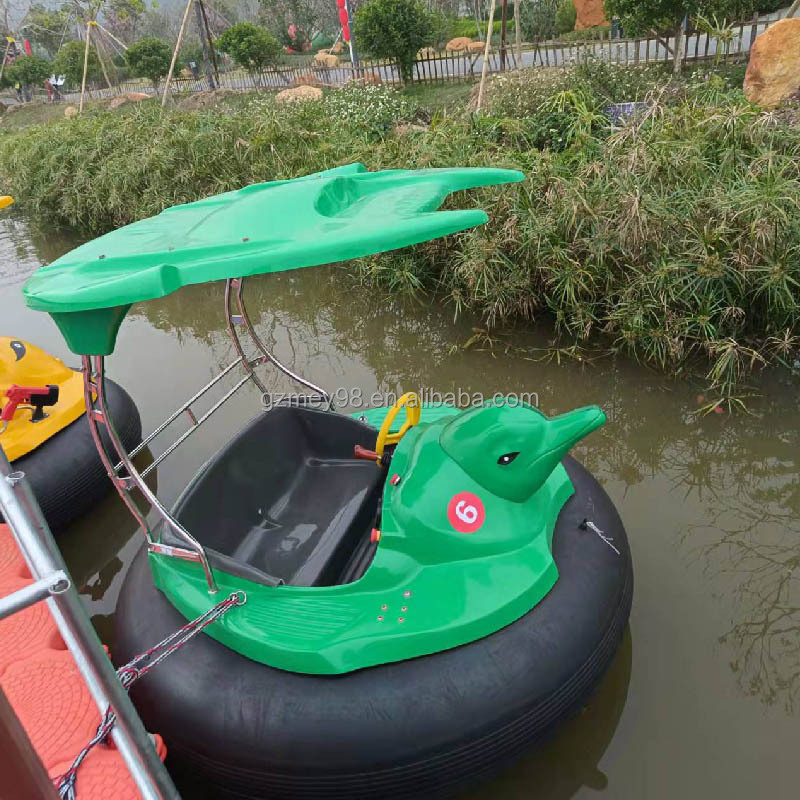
pixel 330 216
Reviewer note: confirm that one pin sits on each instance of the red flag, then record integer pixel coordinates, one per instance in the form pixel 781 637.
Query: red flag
pixel 28 47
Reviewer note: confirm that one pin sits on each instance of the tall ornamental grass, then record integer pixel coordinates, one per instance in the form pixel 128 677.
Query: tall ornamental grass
pixel 675 238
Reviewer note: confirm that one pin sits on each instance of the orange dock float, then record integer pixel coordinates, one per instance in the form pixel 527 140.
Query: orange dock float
pixel 44 687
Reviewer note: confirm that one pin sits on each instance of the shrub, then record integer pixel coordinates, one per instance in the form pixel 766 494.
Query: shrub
pixel 565 17
pixel 587 34
pixel 69 63
pixel 250 46
pixel 621 83
pixel 372 108
pixel 29 70
pixel 538 19
pixel 394 29
pixel 149 58
pixel 522 93
pixel 465 26
pixel 674 238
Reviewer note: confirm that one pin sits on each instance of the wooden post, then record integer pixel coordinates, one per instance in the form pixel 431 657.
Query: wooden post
pixel 85 63
pixel 198 13
pixel 792 9
pixel 518 33
pixel 175 52
pixel 503 22
pixel 486 49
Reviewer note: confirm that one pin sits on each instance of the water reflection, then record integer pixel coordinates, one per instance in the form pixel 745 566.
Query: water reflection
pixel 712 505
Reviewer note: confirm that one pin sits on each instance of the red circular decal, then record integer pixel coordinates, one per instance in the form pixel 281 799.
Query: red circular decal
pixel 465 512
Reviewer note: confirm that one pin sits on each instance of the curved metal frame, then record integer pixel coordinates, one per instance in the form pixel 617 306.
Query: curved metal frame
pixel 126 477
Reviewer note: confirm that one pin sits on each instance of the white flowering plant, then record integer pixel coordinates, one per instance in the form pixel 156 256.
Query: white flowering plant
pixel 373 108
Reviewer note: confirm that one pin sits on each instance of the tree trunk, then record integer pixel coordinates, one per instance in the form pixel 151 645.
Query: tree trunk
pixel 677 61
pixel 503 22
pixel 201 32
pixel 518 33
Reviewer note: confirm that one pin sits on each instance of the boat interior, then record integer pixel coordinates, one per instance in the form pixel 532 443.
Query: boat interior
pixel 287 502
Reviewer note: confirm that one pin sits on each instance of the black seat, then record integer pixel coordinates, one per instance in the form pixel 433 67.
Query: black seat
pixel 286 497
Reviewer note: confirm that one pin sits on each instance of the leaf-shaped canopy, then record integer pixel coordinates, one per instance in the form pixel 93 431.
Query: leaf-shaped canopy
pixel 329 216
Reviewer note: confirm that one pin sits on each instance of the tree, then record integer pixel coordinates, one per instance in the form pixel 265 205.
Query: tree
pixel 29 71
pixel 565 16
pixel 149 58
pixel 306 19
pixel 657 15
pixel 395 29
pixel 538 19
pixel 668 16
pixel 250 46
pixel 69 62
pixel 47 27
pixel 122 17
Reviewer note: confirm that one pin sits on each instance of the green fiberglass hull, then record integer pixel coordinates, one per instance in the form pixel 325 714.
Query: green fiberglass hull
pixel 455 561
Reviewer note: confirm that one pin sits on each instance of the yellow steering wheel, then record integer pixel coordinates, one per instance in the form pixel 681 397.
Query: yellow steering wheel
pixel 411 403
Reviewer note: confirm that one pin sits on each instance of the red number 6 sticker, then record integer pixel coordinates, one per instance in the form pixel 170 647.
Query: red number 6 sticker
pixel 465 512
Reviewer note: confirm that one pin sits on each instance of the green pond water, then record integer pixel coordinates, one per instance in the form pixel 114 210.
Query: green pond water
pixel 703 699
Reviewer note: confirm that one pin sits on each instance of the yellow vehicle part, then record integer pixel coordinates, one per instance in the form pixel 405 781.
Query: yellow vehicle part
pixel 27 365
pixel 5 200
pixel 411 403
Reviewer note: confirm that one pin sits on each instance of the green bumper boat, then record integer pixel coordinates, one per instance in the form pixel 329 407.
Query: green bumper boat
pixel 424 591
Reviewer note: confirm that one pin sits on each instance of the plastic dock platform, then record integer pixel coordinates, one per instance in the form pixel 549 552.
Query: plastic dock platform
pixel 48 694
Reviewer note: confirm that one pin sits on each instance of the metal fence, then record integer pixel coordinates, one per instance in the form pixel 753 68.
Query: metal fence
pixel 732 44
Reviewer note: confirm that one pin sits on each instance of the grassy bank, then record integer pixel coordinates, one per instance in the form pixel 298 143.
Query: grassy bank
pixel 675 238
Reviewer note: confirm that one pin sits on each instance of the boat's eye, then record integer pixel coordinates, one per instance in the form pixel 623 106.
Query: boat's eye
pixel 507 458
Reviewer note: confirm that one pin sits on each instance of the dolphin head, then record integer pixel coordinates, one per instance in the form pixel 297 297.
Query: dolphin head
pixel 511 449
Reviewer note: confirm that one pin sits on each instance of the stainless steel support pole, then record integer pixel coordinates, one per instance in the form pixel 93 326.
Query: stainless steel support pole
pixel 29 595
pixel 24 517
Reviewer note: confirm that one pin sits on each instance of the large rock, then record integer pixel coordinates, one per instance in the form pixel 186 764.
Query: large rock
pixel 773 74
pixel 128 97
pixel 299 94
pixel 589 14
pixel 325 59
pixel 458 45
pixel 476 47
pixel 70 111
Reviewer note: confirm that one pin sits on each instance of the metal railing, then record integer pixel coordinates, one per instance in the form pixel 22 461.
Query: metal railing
pixel 119 463
pixel 53 584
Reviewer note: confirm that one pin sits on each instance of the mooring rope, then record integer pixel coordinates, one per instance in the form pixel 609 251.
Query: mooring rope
pixel 135 669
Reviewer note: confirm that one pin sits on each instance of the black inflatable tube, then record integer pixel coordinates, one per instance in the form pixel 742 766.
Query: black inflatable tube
pixel 66 473
pixel 412 729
